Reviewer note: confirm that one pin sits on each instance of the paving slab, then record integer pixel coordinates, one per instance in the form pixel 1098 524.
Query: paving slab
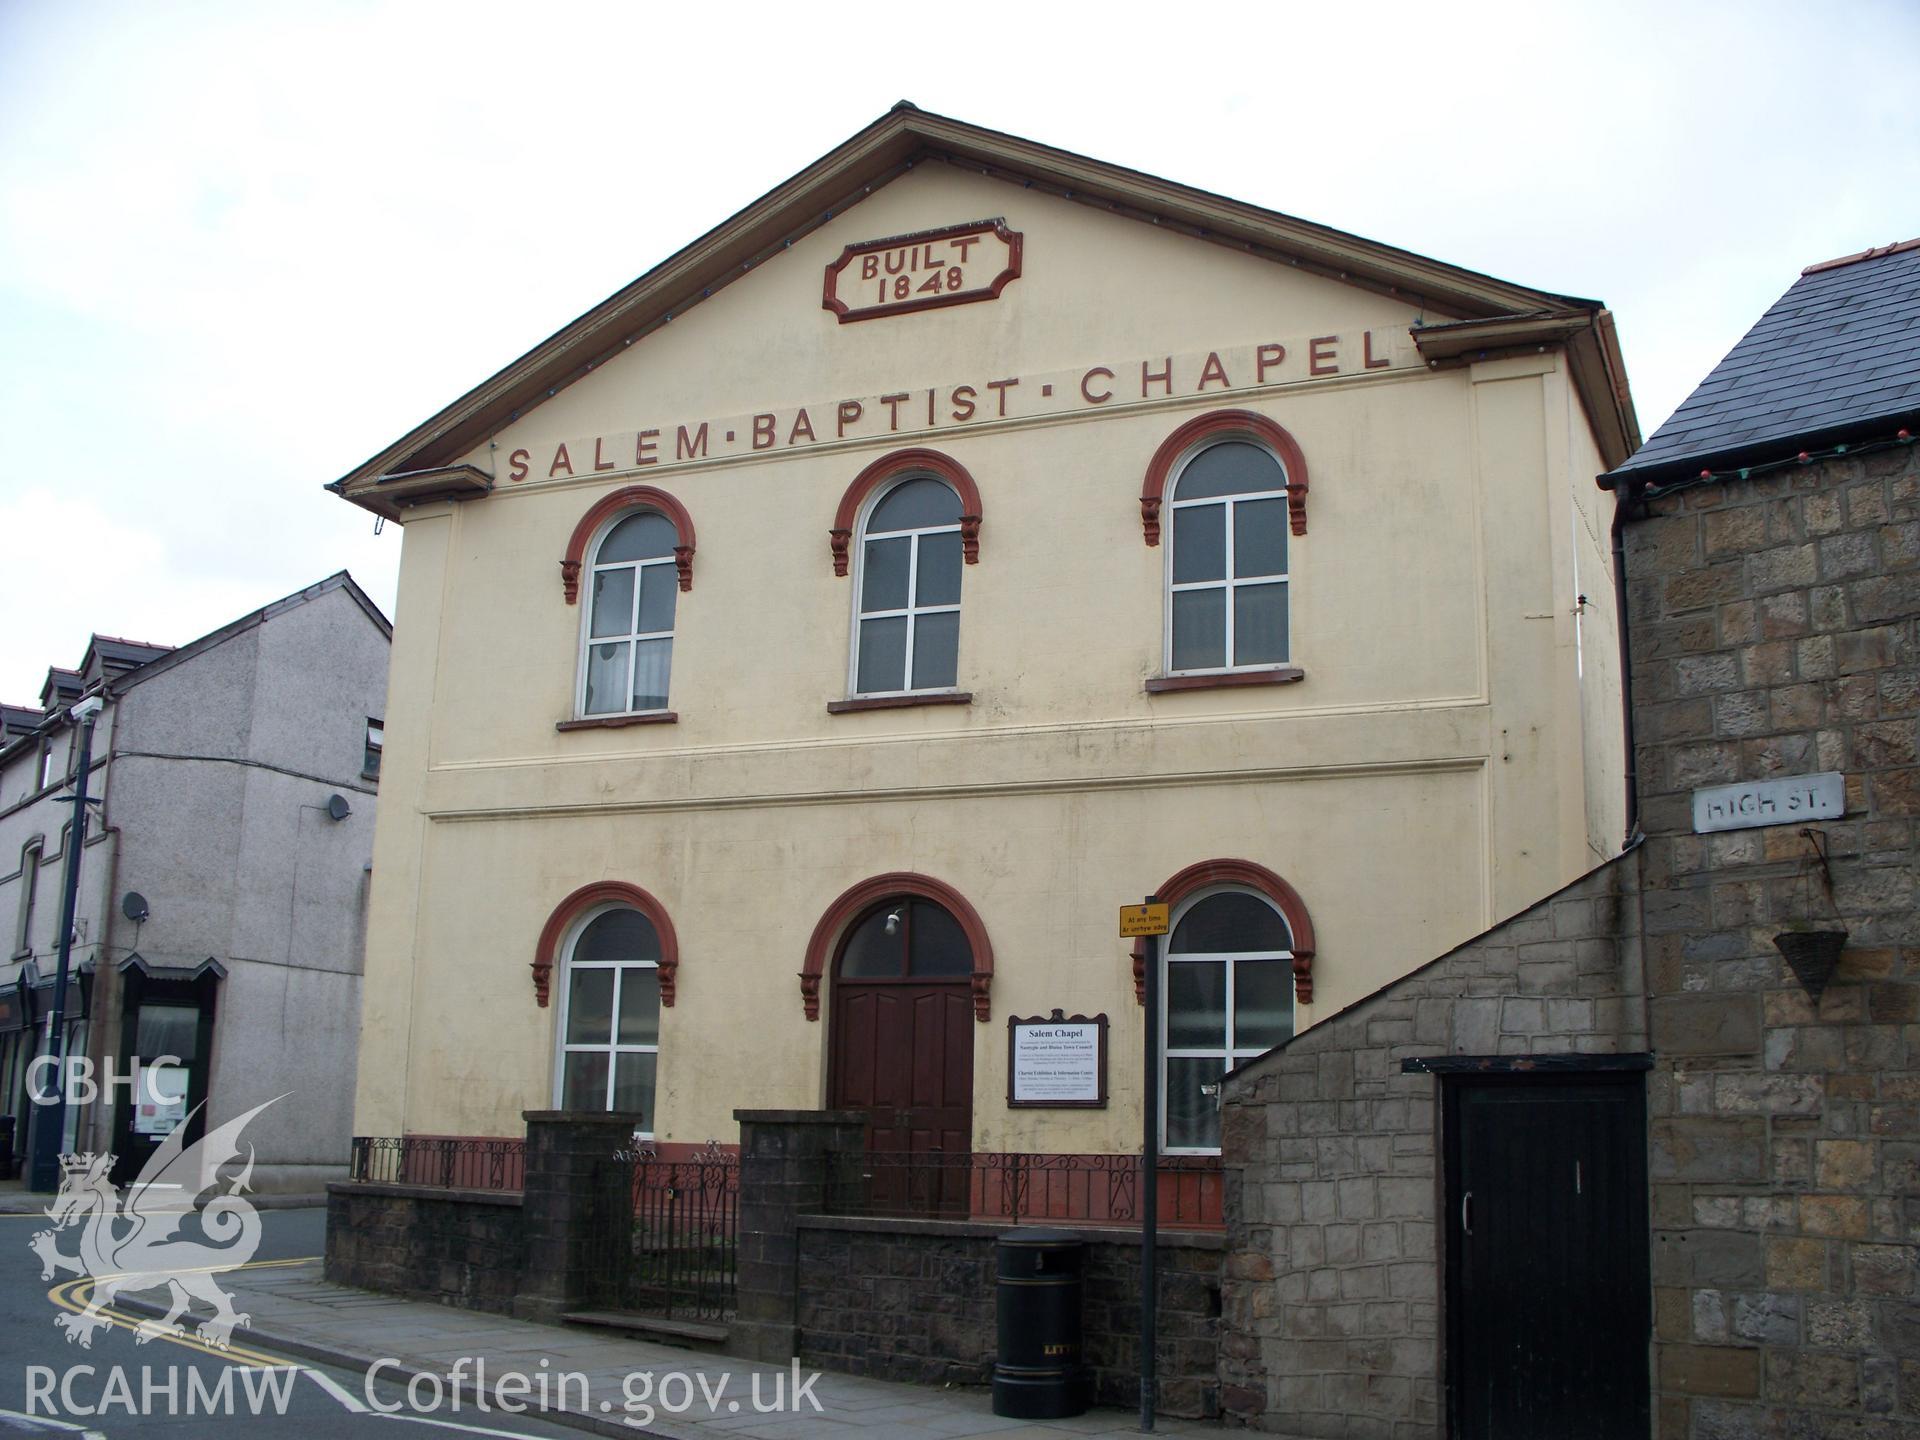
pixel 295 1311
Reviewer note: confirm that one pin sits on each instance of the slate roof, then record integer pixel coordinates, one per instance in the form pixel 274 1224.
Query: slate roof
pixel 1837 357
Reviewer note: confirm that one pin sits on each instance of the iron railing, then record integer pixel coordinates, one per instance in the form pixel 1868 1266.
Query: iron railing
pixel 1024 1188
pixel 450 1161
pixel 676 1255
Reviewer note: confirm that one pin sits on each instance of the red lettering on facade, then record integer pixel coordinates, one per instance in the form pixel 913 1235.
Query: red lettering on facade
pixel 893 404
pixel 963 396
pixel 1086 390
pixel 690 447
pixel 801 426
pixel 1366 353
pixel 1213 370
pixel 560 459
pixel 850 412
pixel 869 266
pixel 1322 361
pixel 1265 357
pixel 964 243
pixel 762 431
pixel 600 462
pixel 518 460
pixel 1000 387
pixel 1165 377
pixel 643 447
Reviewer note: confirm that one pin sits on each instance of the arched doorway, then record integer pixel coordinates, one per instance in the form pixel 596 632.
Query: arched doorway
pixel 901 1043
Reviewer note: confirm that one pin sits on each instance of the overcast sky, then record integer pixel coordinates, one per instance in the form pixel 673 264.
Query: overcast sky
pixel 243 246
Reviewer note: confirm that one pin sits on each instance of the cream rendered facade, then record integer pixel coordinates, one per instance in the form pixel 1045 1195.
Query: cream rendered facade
pixel 1450 754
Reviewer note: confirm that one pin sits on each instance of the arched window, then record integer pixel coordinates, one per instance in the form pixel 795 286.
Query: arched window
pixel 609 1022
pixel 1229 991
pixel 626 643
pixel 1227 565
pixel 906 939
pixel 906 636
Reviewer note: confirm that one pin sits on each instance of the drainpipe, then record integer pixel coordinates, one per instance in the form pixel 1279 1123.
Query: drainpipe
pixel 1623 501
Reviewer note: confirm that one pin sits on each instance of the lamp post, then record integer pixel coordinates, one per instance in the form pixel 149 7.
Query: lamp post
pixel 50 1113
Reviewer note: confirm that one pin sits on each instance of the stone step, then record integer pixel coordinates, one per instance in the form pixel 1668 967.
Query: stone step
pixel 656 1327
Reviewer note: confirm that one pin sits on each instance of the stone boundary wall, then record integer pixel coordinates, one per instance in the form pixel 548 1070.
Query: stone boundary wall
pixel 456 1247
pixel 914 1300
pixel 1330 1292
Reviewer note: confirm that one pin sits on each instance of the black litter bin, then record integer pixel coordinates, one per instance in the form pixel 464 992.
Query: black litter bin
pixel 1039 1374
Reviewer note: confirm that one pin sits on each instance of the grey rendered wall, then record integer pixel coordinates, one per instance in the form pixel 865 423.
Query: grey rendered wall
pixel 222 773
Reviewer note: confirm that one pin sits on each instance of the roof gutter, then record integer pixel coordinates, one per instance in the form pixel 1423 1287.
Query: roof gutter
pixel 1594 362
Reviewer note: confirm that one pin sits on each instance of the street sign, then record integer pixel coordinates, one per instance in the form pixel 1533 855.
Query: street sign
pixel 1142 920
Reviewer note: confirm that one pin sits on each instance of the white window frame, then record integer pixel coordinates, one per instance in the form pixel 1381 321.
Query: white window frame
pixel 1226 1052
pixel 375 749
pixel 912 610
pixel 634 635
pixel 1232 581
pixel 30 857
pixel 613 1048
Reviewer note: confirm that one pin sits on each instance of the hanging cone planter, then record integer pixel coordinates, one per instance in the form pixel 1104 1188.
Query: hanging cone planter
pixel 1813 954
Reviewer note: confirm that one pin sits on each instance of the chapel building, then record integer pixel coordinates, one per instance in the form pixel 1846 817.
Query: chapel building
pixel 802 655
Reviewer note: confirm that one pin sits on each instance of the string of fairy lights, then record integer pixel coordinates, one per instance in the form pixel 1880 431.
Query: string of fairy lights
pixel 1786 462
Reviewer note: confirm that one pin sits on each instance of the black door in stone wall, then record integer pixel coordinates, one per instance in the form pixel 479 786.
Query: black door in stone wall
pixel 1546 1257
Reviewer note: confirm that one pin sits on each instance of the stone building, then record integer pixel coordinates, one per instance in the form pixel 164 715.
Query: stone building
pixel 221 902
pixel 669 715
pixel 1615 1167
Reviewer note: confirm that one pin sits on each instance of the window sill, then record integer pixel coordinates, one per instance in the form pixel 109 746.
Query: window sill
pixel 1225 679
pixel 620 722
pixel 899 702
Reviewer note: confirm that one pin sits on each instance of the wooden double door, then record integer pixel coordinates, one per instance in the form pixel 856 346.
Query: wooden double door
pixel 901 1038
pixel 1546 1257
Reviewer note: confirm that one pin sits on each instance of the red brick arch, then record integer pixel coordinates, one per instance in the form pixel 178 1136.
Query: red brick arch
pixel 546 953
pixel 629 497
pixel 857 901
pixel 1245 875
pixel 1224 425
pixel 891 467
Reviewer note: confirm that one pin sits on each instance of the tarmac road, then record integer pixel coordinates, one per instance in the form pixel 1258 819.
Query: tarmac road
pixel 167 1386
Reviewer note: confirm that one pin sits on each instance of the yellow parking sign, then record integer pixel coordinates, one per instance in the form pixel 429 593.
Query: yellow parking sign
pixel 1142 920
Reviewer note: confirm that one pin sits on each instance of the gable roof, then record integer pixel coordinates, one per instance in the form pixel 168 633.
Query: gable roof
pixel 888 147
pixel 163 659
pixel 1837 357
pixel 339 580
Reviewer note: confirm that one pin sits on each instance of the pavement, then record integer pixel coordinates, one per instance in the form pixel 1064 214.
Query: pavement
pixel 603 1382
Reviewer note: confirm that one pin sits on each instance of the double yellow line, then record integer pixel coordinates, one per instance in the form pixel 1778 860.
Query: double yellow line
pixel 75 1295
